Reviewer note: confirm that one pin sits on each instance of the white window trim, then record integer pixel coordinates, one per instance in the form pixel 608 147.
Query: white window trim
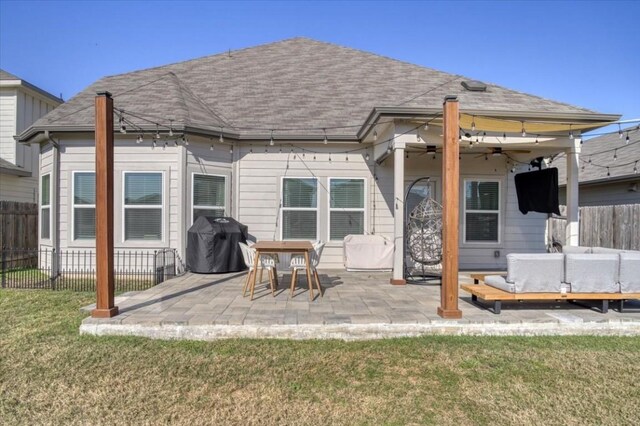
pixel 45 206
pixel 143 206
pixel 193 206
pixel 339 209
pixel 80 206
pixel 465 211
pixel 283 208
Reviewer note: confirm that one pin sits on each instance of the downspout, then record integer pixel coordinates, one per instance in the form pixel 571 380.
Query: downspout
pixel 55 204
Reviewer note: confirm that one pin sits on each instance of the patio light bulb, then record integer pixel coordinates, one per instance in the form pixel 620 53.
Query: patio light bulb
pixel 375 135
pixel 406 155
pixel 589 160
pixel 271 142
pixel 626 141
pixel 329 157
pixel 366 157
pixel 346 158
pixel 434 156
pixel 473 124
pixel 426 126
pixel 251 150
pixel 211 148
pixel 619 132
pixel 615 155
pixel 635 168
pixel 171 128
pixel 140 139
pixel 314 157
pixel 524 132
pixel 608 173
pixel 537 141
pixel 418 136
pixel 504 136
pixel 470 144
pixel 154 143
pixel 230 150
pixel 571 135
pixel 175 142
pixel 185 141
pixel 389 149
pixel 483 135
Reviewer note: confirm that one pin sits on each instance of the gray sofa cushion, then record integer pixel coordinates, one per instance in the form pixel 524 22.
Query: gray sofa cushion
pixel 592 273
pixel 630 272
pixel 536 273
pixel 576 249
pixel 499 282
pixel 605 250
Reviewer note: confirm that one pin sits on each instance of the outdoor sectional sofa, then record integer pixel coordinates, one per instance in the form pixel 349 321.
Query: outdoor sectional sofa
pixel 579 273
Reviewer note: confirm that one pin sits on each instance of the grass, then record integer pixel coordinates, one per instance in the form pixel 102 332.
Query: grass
pixel 50 374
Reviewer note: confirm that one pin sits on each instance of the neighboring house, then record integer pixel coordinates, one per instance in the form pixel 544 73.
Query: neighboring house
pixel 21 104
pixel 609 167
pixel 297 139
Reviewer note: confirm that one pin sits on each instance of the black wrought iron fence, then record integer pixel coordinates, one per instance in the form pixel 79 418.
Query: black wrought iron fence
pixel 47 268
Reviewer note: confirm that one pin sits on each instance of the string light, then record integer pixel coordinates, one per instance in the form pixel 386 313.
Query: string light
pixel 231 150
pixel 484 134
pixel 375 135
pixel 366 157
pixel 157 132
pixel 220 137
pixel 470 144
pixel 504 137
pixel 426 126
pixel 140 139
pixel 170 127
pixel 570 132
pixel 635 168
pixel 477 140
pixel 271 142
pixel 524 132
pixel 346 157
pixel 406 155
pixel 589 159
pixel 608 173
pixel 537 141
pixel 434 155
pixel 153 143
pixel 418 136
pixel 326 140
pixel 185 141
pixel 615 155
pixel 473 124
pixel 329 157
pixel 619 132
pixel 389 149
pixel 251 149
pixel 626 141
pixel 211 148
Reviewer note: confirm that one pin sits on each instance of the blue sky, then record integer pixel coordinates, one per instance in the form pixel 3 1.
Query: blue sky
pixel 584 53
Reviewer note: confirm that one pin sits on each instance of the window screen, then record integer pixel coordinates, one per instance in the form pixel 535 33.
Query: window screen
pixel 45 206
pixel 299 209
pixel 208 195
pixel 84 205
pixel 482 211
pixel 142 206
pixel 346 208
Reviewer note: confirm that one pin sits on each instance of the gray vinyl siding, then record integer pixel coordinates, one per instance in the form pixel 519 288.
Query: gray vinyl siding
pixel 79 155
pixel 18 110
pixel 608 194
pixel 254 187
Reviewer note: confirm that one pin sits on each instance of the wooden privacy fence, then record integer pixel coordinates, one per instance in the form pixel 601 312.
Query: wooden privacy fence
pixel 18 225
pixel 603 226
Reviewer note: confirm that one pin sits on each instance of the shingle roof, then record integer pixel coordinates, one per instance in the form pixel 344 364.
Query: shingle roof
pixel 613 144
pixel 11 78
pixel 295 83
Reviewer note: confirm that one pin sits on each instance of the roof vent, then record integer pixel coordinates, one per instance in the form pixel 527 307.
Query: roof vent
pixel 474 86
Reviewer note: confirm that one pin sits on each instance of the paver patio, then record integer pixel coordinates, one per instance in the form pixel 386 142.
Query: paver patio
pixel 355 305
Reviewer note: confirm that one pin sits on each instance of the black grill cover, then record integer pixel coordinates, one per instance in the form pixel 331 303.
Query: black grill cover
pixel 212 245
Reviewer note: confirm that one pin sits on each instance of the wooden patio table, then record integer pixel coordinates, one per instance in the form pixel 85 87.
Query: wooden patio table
pixel 293 247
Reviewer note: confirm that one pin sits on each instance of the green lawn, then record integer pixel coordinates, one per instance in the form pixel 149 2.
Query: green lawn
pixel 49 374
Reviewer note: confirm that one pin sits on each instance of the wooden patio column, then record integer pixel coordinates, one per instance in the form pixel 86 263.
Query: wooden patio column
pixel 572 229
pixel 105 305
pixel 450 209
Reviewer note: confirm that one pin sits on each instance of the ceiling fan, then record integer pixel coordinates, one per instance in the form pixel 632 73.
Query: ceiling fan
pixel 496 152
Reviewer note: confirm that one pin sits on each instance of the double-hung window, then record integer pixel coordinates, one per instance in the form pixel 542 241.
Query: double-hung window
pixel 346 207
pixel 208 195
pixel 143 205
pixel 84 205
pixel 299 208
pixel 481 211
pixel 45 206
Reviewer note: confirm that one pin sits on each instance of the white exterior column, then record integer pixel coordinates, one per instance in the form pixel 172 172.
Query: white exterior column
pixel 572 230
pixel 398 213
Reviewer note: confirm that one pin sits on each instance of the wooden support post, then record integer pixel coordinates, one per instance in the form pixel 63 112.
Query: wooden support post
pixel 105 305
pixel 450 210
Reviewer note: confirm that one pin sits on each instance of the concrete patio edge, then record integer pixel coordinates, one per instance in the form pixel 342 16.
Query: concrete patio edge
pixel 349 332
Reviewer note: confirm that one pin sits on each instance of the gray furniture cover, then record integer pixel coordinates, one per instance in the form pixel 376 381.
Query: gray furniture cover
pixel 592 273
pixel 531 273
pixel 630 272
pixel 212 245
